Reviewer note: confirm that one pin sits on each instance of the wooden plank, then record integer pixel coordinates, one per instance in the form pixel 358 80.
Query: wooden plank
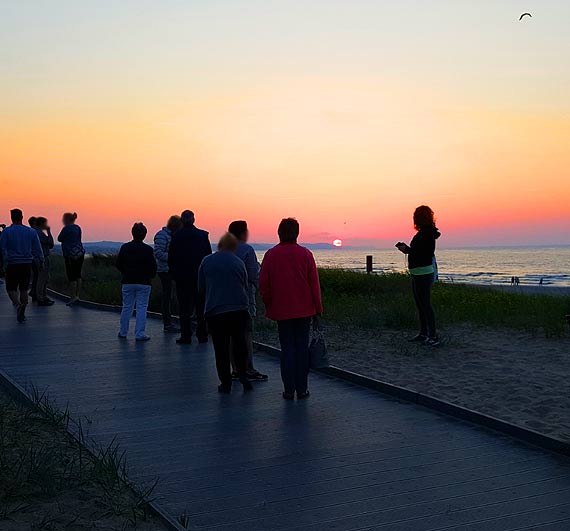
pixel 348 458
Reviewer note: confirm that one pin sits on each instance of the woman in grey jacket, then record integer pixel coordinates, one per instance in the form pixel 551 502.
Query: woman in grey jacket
pixel 161 245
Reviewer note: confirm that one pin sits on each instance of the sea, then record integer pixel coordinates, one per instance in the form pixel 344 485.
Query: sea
pixel 482 265
pixel 473 266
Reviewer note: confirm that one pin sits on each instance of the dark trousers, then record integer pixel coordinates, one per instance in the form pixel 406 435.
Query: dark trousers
pixel 294 340
pixel 189 301
pixel 34 285
pixel 166 298
pixel 421 287
pixel 228 333
pixel 249 343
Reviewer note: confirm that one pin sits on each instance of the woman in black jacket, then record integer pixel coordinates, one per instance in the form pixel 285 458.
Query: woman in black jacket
pixel 421 264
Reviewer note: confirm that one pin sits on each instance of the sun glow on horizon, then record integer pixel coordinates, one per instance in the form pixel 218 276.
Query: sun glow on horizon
pixel 197 107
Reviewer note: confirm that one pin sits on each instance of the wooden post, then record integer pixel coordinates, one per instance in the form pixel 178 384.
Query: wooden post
pixel 369 264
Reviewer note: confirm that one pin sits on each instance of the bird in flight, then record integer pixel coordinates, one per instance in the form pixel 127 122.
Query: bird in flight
pixel 525 15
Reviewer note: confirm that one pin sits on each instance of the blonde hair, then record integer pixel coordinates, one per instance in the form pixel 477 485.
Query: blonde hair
pixel 228 242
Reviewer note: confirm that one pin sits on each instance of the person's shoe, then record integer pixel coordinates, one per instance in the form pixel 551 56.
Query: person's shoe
pixel 288 396
pixel 203 340
pixel 420 338
pixel 120 336
pixel 246 383
pixel 171 329
pixel 21 313
pixel 256 376
pixel 432 342
pixel 303 395
pixel 184 341
pixel 235 375
pixel 224 389
pixel 142 338
pixel 46 302
pixel 72 302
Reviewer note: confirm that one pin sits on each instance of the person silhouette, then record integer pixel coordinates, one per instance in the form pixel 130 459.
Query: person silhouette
pixel 188 247
pixel 138 267
pixel 223 284
pixel 162 241
pixel 20 247
pixel 73 254
pixel 290 288
pixel 420 254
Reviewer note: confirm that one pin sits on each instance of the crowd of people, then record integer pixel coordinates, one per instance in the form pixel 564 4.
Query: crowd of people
pixel 216 291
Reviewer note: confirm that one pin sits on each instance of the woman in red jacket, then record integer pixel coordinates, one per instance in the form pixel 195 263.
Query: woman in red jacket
pixel 290 288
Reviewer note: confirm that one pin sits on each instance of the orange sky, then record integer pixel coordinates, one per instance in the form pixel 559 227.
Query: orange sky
pixel 348 146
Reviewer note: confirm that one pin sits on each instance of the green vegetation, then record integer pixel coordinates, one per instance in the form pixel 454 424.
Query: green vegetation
pixel 371 301
pixel 49 481
pixel 374 301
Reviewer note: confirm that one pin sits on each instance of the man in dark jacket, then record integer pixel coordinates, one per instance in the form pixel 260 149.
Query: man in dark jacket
pixel 138 267
pixel 189 246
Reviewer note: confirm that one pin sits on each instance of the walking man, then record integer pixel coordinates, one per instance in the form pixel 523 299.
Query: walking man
pixel 188 247
pixel 161 245
pixel 20 247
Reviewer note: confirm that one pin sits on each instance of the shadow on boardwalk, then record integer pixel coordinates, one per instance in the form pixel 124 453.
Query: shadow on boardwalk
pixel 347 459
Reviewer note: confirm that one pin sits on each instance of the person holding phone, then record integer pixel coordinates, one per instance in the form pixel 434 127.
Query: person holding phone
pixel 421 252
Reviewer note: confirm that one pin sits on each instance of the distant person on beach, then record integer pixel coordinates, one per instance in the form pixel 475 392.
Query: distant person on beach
pixel 138 267
pixel 34 281
pixel 188 247
pixel 247 253
pixel 161 245
pixel 46 241
pixel 420 263
pixel 291 291
pixel 222 282
pixel 73 254
pixel 20 248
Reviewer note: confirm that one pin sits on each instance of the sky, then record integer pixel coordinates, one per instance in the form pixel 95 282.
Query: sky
pixel 345 115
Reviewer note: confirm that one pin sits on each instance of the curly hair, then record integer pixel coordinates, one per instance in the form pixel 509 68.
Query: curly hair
pixel 423 217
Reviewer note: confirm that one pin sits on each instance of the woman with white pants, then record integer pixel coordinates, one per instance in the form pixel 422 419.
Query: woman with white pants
pixel 137 265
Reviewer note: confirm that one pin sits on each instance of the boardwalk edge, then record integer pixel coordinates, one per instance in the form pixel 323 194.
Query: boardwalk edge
pixel 545 442
pixel 21 396
pixel 529 436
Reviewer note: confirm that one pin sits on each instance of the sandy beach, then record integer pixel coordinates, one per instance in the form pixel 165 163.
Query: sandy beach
pixel 512 375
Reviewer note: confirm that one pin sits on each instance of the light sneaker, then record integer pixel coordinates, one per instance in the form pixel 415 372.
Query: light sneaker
pixel 432 342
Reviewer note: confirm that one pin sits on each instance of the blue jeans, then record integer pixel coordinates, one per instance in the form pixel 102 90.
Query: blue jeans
pixel 134 295
pixel 294 339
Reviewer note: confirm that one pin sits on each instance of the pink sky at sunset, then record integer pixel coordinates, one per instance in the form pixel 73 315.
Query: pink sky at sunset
pixel 346 124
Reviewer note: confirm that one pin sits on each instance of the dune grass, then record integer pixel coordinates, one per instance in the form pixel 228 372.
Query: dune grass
pixel 373 301
pixel 49 481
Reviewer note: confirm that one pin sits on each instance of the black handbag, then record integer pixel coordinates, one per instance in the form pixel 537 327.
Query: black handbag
pixel 318 355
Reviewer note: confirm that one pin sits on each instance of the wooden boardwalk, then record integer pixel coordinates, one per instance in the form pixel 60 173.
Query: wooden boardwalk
pixel 346 459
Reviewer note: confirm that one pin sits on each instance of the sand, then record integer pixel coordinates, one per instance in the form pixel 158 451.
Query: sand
pixel 514 376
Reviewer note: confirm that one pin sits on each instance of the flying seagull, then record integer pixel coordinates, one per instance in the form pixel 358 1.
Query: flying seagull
pixel 525 15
